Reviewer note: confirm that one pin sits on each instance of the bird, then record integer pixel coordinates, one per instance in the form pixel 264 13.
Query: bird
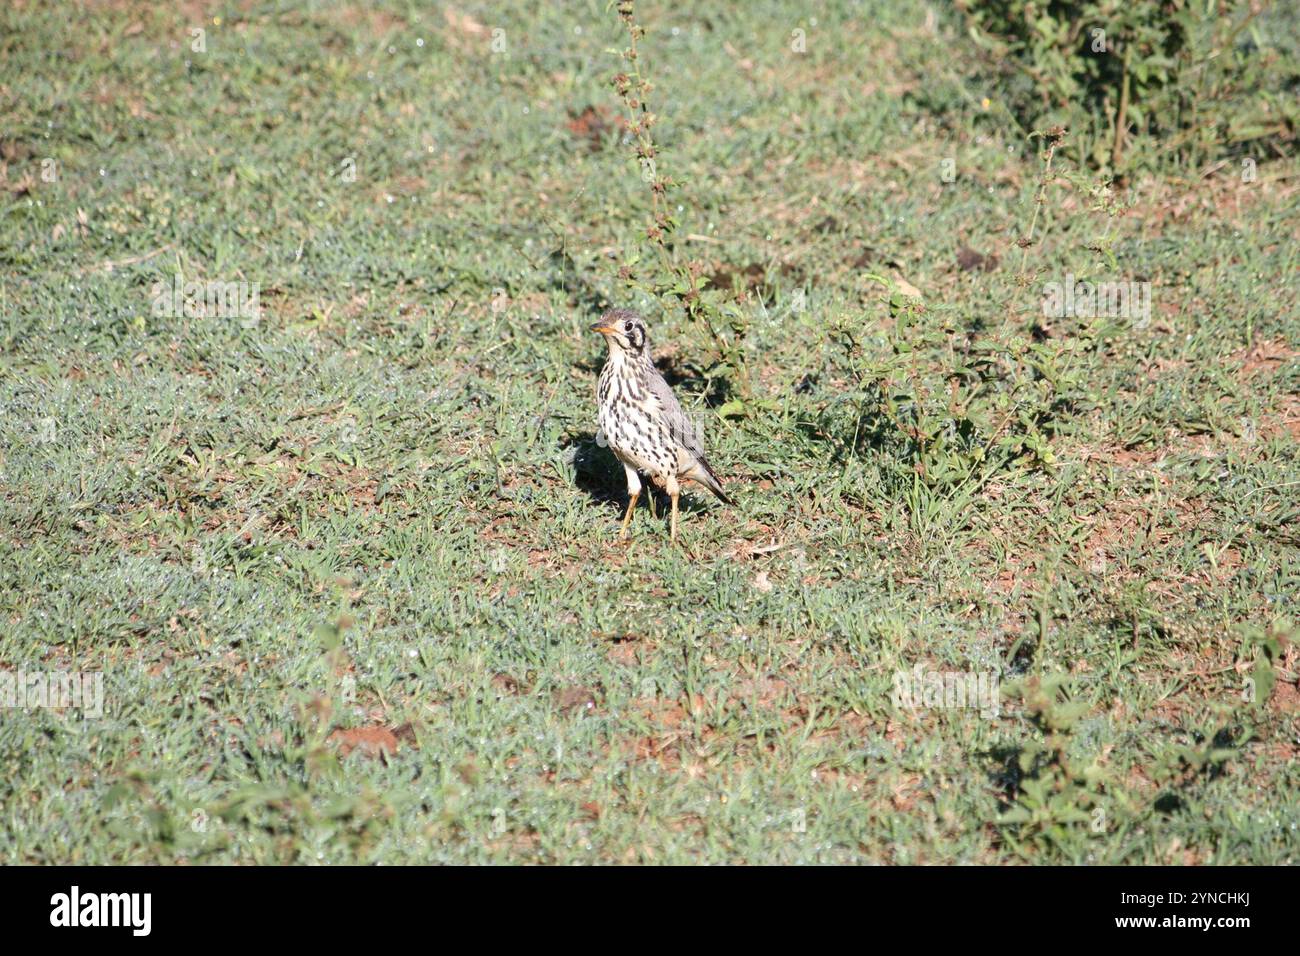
pixel 641 419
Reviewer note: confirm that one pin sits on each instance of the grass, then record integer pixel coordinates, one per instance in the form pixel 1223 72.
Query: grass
pixel 351 571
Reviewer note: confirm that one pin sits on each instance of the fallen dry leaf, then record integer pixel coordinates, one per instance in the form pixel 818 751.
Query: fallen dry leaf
pixel 905 287
pixel 569 698
pixel 371 741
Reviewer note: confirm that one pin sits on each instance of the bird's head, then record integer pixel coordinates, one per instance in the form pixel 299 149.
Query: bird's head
pixel 624 330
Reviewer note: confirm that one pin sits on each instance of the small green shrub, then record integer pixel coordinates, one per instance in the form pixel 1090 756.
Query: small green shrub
pixel 1052 795
pixel 1144 82
pixel 950 404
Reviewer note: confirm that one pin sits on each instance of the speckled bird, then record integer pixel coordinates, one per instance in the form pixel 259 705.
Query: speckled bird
pixel 641 419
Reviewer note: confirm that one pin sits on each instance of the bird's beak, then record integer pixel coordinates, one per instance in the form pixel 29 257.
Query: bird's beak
pixel 603 329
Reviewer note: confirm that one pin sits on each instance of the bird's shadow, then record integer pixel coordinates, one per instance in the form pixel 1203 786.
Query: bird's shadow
pixel 599 475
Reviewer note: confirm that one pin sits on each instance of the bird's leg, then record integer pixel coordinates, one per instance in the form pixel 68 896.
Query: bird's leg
pixel 633 491
pixel 673 491
pixel 627 518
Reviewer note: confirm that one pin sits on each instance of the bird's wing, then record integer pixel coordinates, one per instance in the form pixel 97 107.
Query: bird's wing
pixel 682 428
pixel 687 436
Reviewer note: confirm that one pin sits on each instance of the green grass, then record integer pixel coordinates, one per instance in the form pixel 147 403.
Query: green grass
pixel 382 505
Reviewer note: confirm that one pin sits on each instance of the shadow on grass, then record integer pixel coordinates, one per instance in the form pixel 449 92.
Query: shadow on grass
pixel 687 380
pixel 1005 774
pixel 852 432
pixel 599 475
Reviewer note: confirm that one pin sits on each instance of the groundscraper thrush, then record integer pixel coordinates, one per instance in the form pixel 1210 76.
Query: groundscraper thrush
pixel 641 419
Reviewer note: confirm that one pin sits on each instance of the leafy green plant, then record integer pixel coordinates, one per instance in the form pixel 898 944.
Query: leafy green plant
pixel 951 404
pixel 669 278
pixel 1052 793
pixel 1263 648
pixel 1140 82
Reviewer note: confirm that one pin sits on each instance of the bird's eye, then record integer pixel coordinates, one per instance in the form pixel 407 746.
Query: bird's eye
pixel 627 327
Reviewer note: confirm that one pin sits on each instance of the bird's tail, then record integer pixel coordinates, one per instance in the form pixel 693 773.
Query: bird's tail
pixel 704 474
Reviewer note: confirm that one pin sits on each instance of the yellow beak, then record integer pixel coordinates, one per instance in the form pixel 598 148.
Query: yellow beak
pixel 603 329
